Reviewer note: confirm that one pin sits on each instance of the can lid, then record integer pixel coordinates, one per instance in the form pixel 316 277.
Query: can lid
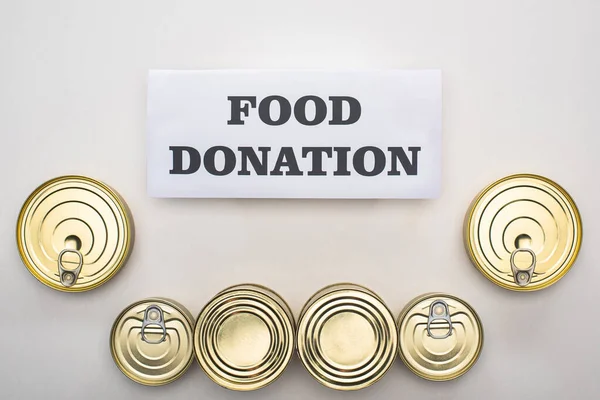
pixel 244 337
pixel 523 232
pixel 347 338
pixel 440 336
pixel 151 341
pixel 74 233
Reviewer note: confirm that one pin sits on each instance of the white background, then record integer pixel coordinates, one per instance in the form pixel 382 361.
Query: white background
pixel 521 88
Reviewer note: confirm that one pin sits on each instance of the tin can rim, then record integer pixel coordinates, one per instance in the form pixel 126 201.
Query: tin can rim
pixel 330 289
pixel 129 227
pixel 249 285
pixel 469 220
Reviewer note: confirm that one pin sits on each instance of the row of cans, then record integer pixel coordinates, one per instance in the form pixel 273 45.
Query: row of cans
pixel 346 338
pixel 523 232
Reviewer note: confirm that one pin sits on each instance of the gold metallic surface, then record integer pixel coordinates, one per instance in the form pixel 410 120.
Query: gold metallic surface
pixel 153 364
pixel 77 214
pixel 439 359
pixel 528 212
pixel 244 337
pixel 347 337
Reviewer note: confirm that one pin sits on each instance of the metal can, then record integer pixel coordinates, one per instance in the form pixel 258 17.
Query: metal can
pixel 244 337
pixel 74 233
pixel 440 336
pixel 523 232
pixel 151 341
pixel 347 337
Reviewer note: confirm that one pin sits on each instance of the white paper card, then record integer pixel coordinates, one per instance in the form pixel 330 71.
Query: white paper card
pixel 294 134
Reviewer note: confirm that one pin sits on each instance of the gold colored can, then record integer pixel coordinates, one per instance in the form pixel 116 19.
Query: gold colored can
pixel 440 336
pixel 347 337
pixel 244 337
pixel 74 233
pixel 152 341
pixel 523 232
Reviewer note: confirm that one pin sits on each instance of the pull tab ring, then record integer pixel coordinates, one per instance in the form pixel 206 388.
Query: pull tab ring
pixel 154 316
pixel 522 276
pixel 434 315
pixel 68 277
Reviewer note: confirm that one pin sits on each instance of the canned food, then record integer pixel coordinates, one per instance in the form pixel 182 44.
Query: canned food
pixel 244 337
pixel 440 336
pixel 152 341
pixel 347 337
pixel 523 232
pixel 74 233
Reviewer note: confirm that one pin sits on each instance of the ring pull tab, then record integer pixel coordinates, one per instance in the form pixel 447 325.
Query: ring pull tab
pixel 68 277
pixel 522 276
pixel 154 316
pixel 439 310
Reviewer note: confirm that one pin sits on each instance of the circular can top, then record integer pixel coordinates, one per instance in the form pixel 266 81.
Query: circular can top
pixel 347 337
pixel 74 233
pixel 151 341
pixel 523 232
pixel 244 337
pixel 440 336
